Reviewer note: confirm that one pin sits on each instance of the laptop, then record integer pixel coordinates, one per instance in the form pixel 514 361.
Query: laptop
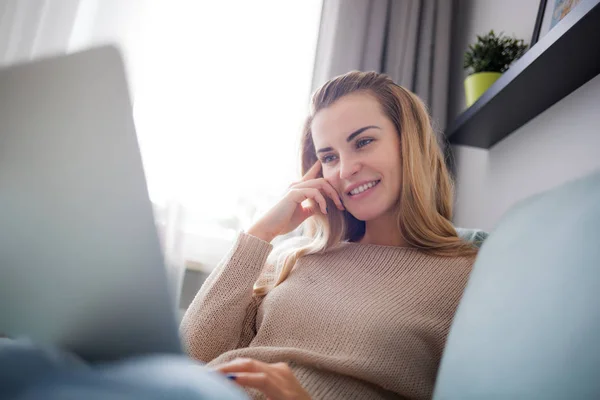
pixel 81 266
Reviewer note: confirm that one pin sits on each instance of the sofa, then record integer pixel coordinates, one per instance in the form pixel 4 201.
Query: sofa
pixel 528 325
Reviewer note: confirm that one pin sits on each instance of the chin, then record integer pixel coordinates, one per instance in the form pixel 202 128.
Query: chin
pixel 366 215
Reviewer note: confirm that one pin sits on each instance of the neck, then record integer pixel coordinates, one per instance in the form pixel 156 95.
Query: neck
pixel 383 231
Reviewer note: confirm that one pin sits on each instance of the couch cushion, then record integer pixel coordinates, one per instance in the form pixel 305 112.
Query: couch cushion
pixel 477 236
pixel 528 326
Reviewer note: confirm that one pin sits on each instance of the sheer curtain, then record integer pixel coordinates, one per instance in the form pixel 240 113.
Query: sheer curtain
pixel 220 90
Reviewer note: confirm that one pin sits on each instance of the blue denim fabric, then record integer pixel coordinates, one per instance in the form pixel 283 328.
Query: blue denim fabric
pixel 31 372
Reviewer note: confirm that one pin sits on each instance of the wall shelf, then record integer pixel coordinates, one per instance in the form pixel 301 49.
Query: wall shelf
pixel 563 60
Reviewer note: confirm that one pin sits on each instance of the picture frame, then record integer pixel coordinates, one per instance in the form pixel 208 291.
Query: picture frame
pixel 550 12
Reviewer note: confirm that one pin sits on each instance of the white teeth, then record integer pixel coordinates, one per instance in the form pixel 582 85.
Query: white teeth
pixel 362 188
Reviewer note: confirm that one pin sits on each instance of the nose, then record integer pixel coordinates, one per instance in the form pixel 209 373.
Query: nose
pixel 349 167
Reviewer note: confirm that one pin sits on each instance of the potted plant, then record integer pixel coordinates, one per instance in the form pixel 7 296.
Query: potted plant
pixel 487 59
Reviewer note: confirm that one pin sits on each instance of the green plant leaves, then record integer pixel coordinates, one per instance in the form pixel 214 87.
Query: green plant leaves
pixel 493 53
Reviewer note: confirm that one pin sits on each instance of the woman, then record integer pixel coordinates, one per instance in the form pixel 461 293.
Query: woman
pixel 362 309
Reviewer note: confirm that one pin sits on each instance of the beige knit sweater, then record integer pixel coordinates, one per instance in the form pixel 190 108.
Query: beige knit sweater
pixel 359 322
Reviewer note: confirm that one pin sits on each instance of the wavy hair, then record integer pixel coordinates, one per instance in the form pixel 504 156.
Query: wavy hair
pixel 424 209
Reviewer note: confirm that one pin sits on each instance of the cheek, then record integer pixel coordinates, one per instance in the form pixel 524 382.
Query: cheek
pixel 393 163
pixel 331 177
pixel 397 167
pixel 397 176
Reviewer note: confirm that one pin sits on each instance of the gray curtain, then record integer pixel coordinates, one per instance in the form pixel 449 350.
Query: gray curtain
pixel 406 39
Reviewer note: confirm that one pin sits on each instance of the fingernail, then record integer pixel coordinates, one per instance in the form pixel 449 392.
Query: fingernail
pixel 231 377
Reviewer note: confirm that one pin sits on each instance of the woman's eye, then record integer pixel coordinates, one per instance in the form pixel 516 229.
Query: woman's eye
pixel 328 158
pixel 363 142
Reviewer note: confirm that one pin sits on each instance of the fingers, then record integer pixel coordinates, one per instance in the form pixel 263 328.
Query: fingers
pixel 256 380
pixel 255 374
pixel 275 381
pixel 310 179
pixel 241 365
pixel 325 187
pixel 313 172
pixel 301 194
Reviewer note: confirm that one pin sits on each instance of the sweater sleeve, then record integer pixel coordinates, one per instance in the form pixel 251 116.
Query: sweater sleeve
pixel 222 316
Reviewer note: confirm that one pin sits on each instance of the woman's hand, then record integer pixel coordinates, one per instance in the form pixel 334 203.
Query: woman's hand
pixel 276 381
pixel 288 213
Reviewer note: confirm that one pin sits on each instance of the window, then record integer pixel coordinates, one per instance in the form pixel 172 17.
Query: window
pixel 221 90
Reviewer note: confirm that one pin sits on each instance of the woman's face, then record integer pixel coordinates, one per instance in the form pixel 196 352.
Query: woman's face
pixel 359 149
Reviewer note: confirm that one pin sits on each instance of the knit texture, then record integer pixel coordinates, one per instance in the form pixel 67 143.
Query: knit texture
pixel 358 322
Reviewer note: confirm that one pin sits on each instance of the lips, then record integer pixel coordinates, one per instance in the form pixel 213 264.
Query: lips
pixel 361 188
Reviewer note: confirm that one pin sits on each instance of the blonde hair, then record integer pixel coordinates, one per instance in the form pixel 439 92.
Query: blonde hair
pixel 424 209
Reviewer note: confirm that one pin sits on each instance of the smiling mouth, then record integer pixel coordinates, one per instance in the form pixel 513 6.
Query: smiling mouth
pixel 363 188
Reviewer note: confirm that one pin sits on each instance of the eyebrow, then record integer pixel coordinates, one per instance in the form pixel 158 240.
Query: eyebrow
pixel 350 137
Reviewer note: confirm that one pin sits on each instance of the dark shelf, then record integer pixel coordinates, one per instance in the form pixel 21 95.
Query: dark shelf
pixel 560 62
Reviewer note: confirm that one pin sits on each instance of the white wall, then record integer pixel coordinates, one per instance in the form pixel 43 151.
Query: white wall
pixel 559 145
pixel 478 17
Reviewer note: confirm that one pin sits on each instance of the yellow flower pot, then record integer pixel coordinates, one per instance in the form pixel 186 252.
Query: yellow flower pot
pixel 477 84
